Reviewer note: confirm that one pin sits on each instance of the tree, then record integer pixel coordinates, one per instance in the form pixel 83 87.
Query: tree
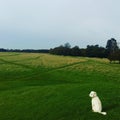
pixel 114 56
pixel 111 46
pixel 83 52
pixel 75 51
pixel 67 45
pixel 95 51
pixel 61 50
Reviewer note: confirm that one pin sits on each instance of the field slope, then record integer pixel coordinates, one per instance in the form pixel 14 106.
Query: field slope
pixel 48 87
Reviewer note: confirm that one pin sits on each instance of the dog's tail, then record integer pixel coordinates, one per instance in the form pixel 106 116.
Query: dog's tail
pixel 103 113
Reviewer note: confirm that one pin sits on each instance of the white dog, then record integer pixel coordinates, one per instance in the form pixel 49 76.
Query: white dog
pixel 96 103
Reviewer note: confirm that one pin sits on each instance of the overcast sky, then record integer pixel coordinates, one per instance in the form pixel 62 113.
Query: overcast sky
pixel 45 24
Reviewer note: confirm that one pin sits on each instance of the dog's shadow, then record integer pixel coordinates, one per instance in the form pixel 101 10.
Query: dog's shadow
pixel 110 107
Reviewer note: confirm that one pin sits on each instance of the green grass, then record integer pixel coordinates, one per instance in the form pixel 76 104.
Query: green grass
pixel 48 87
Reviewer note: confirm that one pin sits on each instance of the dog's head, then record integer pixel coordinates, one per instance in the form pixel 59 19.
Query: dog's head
pixel 93 94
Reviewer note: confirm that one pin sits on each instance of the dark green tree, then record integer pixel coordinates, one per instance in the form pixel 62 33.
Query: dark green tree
pixel 111 46
pixel 75 51
pixel 114 56
pixel 67 45
pixel 95 51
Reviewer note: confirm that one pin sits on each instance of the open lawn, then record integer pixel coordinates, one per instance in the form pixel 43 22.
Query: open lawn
pixel 48 87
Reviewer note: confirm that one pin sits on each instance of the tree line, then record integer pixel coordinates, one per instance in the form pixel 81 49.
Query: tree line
pixel 25 50
pixel 111 51
pixel 90 51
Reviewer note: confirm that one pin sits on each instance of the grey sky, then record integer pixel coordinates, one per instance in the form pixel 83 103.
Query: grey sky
pixel 42 24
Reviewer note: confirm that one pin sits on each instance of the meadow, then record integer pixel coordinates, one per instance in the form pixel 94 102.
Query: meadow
pixel 47 87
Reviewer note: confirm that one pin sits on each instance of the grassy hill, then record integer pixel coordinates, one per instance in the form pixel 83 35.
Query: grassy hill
pixel 48 87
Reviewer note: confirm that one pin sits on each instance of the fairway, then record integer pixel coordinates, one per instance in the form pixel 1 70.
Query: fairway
pixel 47 87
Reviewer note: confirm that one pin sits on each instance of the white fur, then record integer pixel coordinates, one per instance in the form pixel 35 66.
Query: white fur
pixel 96 103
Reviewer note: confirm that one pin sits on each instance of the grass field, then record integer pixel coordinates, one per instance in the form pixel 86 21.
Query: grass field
pixel 48 87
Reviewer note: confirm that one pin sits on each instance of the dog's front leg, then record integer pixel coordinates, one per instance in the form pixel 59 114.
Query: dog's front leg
pixel 93 106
